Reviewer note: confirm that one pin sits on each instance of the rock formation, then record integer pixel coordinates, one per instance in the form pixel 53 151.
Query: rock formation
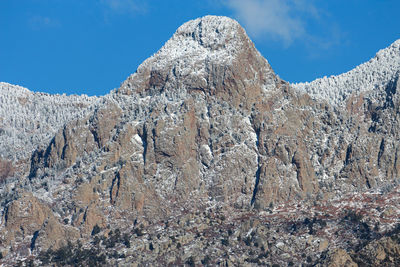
pixel 204 141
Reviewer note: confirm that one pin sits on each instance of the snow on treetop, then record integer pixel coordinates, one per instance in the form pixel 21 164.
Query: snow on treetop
pixel 374 74
pixel 29 119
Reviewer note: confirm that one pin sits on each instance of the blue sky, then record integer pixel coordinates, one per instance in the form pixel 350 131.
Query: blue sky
pixel 91 46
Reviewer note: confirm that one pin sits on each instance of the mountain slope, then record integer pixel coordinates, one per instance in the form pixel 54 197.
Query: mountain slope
pixel 30 119
pixel 204 148
pixel 377 73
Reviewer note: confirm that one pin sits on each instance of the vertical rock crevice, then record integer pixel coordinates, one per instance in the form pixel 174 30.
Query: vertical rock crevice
pixel 381 151
pixel 114 190
pixel 258 172
pixel 144 136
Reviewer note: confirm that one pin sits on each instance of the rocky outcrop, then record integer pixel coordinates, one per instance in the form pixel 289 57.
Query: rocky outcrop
pixel 30 221
pixel 25 216
pixel 76 139
pixel 218 59
pixel 205 124
pixel 382 252
pixel 339 257
pixel 6 169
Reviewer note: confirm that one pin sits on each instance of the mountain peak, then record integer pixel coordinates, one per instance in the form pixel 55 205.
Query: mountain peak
pixel 213 37
pixel 200 55
pixel 212 32
pixel 205 37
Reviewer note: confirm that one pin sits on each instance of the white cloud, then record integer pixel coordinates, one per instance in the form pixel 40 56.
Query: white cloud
pixel 284 20
pixel 125 6
pixel 41 22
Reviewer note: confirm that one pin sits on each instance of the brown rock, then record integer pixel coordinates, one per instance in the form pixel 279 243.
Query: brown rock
pixel 25 216
pixel 339 258
pixel 382 252
pixel 54 235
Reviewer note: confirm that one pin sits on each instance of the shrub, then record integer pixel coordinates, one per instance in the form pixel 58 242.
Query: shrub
pixel 73 255
pixel 127 241
pixel 190 261
pixel 247 241
pixel 96 230
pixel 353 216
pixel 206 260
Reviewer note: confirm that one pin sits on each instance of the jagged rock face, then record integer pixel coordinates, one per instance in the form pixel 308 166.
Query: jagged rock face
pixel 382 252
pixel 339 258
pixel 77 138
pixel 213 56
pixel 204 122
pixel 212 62
pixel 26 217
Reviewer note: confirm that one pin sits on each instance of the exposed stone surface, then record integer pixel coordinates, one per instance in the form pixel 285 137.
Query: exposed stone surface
pixel 382 252
pixel 205 156
pixel 338 258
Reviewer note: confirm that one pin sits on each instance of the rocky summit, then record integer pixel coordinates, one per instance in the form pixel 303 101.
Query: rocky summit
pixel 205 157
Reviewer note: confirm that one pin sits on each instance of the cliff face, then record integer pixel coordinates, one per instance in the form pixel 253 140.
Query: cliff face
pixel 203 124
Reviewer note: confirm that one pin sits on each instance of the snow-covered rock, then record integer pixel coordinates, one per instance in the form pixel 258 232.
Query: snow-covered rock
pixel 203 127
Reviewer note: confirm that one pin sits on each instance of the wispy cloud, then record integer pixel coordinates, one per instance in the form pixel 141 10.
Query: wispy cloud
pixel 285 20
pixel 125 6
pixel 41 22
